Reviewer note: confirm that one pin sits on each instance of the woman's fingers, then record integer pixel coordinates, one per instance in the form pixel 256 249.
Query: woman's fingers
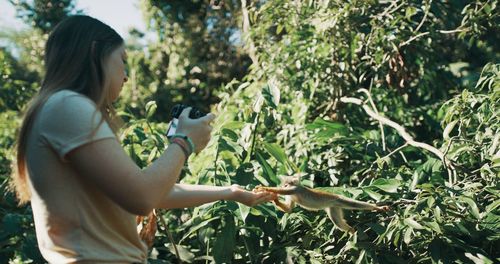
pixel 262 197
pixel 185 112
pixel 209 118
pixel 251 198
pixel 198 130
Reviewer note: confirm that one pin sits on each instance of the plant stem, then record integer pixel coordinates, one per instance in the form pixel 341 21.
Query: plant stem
pixel 252 148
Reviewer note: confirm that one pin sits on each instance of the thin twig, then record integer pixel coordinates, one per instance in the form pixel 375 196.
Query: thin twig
pixel 394 151
pixel 404 201
pixel 170 237
pixel 424 18
pixel 403 156
pixel 376 111
pixel 386 12
pixel 451 31
pixel 413 38
pixel 459 29
pixel 252 148
pixel 250 258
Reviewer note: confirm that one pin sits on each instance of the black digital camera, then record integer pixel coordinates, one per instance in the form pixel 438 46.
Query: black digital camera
pixel 194 114
pixel 176 112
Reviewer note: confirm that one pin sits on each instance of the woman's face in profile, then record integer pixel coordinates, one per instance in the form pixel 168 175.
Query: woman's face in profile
pixel 115 70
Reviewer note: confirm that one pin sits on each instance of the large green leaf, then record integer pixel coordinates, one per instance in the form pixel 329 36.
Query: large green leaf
pixel 267 169
pixel 150 108
pixel 244 211
pixel 387 185
pixel 277 152
pixel 325 130
pixel 413 223
pixel 245 174
pixel 197 227
pixel 225 241
pixel 372 194
pixel 472 206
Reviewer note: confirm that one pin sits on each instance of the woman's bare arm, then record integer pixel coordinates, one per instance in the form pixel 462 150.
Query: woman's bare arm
pixel 186 195
pixel 105 164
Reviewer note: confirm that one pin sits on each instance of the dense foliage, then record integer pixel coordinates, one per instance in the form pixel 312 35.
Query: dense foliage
pixel 391 102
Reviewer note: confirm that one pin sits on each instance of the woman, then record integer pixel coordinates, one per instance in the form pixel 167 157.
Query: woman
pixel 84 190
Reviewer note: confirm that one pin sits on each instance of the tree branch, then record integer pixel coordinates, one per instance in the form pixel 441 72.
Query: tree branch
pixel 401 131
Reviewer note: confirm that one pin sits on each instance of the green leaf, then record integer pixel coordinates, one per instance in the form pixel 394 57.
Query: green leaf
pixel 150 108
pixel 372 194
pixel 327 129
pixel 267 169
pixel 184 253
pixel 244 211
pixel 225 241
pixel 11 223
pixel 244 174
pixel 434 226
pixel 495 162
pixel 139 132
pixel 472 206
pixel 431 165
pixel 413 223
pixel 153 154
pixel 416 176
pixel 234 125
pixel 494 205
pixel 276 151
pixel 435 250
pixel 279 154
pixel 437 214
pixel 274 92
pixel 230 134
pixel 410 11
pixel 430 201
pixel 228 145
pixel 387 185
pixel 378 228
pixel 197 227
pixel 407 236
pixel 279 28
pixel 479 259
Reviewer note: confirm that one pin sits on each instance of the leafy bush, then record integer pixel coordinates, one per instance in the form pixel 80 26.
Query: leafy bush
pixel 288 117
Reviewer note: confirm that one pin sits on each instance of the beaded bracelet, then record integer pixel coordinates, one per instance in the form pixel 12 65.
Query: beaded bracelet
pixel 182 144
pixel 186 138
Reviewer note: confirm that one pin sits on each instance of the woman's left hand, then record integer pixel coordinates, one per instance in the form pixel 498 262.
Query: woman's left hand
pixel 250 198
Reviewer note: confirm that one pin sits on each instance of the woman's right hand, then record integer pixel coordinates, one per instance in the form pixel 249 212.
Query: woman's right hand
pixel 198 130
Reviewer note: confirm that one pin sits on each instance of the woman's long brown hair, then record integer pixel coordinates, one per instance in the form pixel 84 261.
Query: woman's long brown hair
pixel 74 55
